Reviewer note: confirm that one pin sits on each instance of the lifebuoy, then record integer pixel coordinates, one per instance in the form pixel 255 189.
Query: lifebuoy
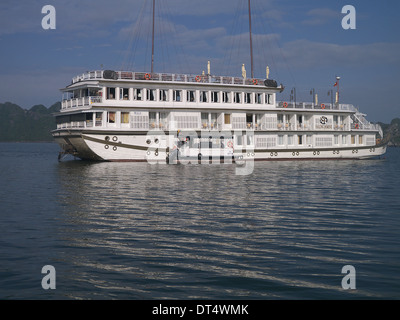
pixel 322 106
pixel 198 78
pixel 230 144
pixel 285 104
pixel 357 126
pixel 255 81
pixel 147 76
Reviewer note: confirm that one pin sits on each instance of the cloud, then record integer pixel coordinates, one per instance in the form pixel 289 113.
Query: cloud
pixel 307 54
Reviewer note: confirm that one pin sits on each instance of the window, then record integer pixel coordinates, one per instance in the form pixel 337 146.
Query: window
pixel 239 140
pixel 226 97
pixel 259 98
pixel 290 139
pixel 153 120
pixel 227 118
pixel 137 94
pixel 213 123
pixel 353 139
pixel 191 96
pixel 214 96
pixel 204 120
pixel 336 139
pixel 268 98
pixel 237 97
pixel 177 95
pixel 360 139
pixel 110 93
pixel 111 117
pixel 163 95
pixel 203 96
pixel 99 119
pixel 309 139
pixel 124 117
pixel 151 95
pixel 344 139
pixel 299 140
pixel 247 97
pixel 124 94
pixel 280 140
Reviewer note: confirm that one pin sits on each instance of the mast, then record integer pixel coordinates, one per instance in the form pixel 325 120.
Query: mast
pixel 251 43
pixel 152 40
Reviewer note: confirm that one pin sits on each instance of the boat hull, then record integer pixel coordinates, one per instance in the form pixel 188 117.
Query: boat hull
pixel 159 147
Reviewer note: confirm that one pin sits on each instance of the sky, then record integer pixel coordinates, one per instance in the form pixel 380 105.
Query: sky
pixel 302 42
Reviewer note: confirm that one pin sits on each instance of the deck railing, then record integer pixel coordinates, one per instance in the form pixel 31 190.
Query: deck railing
pixel 129 75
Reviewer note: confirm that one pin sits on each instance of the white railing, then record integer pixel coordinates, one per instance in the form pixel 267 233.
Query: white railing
pixel 129 75
pixel 80 102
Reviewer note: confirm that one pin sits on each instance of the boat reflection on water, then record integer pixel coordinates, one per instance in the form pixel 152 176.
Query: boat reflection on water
pixel 200 231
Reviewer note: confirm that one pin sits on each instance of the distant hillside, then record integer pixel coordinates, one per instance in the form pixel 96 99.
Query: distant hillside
pixel 391 132
pixel 33 125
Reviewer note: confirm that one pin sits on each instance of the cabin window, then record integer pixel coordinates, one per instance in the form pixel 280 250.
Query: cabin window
pixel 111 117
pixel 137 94
pixel 213 123
pixel 259 98
pixel 299 140
pixel 89 119
pixel 163 95
pixel 226 97
pixel 203 96
pixel 177 95
pixel 124 117
pixel 110 93
pixel 344 139
pixel 124 94
pixel 204 120
pixel 214 96
pixel 227 118
pixel 290 139
pixel 237 97
pixel 247 97
pixel 191 96
pixel 163 120
pixel 360 139
pixel 336 139
pixel 268 98
pixel 239 140
pixel 153 120
pixel 280 140
pixel 353 139
pixel 309 139
pixel 99 119
pixel 151 95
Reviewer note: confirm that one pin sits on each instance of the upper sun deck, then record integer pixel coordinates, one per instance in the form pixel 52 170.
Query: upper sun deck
pixel 203 79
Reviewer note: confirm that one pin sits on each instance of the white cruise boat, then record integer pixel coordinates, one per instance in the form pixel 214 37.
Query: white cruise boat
pixel 156 117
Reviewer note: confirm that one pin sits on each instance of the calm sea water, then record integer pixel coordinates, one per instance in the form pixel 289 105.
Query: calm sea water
pixel 141 231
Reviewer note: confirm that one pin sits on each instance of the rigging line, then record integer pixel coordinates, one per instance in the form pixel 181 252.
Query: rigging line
pixel 263 48
pixel 282 53
pixel 136 36
pixel 177 44
pixel 231 37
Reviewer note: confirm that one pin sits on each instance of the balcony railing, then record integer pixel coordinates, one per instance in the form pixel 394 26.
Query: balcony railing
pixel 80 102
